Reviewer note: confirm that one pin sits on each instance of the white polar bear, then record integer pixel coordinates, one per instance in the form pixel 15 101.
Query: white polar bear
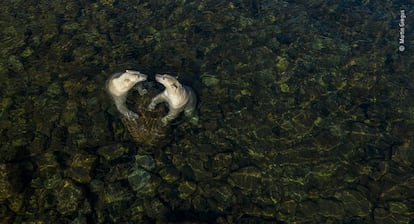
pixel 178 97
pixel 118 86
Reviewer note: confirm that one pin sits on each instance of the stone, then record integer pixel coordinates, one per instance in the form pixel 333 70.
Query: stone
pixel 81 167
pixel 186 189
pixel 355 203
pixel 331 208
pixel 138 178
pixel 111 152
pixel 115 193
pixel 384 216
pixel 169 174
pixel 144 161
pixel 288 207
pixel 247 179
pixel 399 208
pixel 209 80
pixel 69 197
pixel 10 182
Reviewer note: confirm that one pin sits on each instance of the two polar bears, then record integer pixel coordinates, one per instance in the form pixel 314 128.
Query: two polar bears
pixel 177 96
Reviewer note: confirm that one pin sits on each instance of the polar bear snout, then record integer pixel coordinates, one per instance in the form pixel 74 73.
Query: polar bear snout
pixel 167 81
pixel 159 78
pixel 138 76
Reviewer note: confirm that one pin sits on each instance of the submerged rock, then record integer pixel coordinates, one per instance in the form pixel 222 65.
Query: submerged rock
pixel 331 208
pixel 114 193
pixel 144 161
pixel 138 178
pixel 385 216
pixel 354 203
pixel 81 167
pixel 209 80
pixel 10 181
pixel 156 209
pixel 186 189
pixel 112 152
pixel 169 174
pixel 69 197
pixel 247 179
pixel 139 175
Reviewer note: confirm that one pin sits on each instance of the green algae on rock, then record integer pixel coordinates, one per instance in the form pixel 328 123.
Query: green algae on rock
pixel 81 166
pixel 10 179
pixel 138 178
pixel 186 189
pixel 69 198
pixel 112 152
pixel 246 178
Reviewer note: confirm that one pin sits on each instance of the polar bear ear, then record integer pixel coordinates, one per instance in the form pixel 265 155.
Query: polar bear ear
pixel 176 84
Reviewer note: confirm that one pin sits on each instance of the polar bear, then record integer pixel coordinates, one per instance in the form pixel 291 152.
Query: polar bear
pixel 178 97
pixel 118 86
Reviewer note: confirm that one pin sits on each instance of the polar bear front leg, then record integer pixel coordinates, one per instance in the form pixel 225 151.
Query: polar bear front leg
pixel 126 112
pixel 172 114
pixel 122 108
pixel 141 89
pixel 156 100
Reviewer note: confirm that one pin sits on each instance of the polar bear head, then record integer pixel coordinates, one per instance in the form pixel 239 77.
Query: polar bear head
pixel 120 83
pixel 169 82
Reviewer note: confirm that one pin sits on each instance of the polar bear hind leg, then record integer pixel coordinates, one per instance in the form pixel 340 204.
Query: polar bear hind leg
pixel 190 108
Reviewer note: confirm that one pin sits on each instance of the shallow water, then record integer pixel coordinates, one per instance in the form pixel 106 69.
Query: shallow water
pixel 306 112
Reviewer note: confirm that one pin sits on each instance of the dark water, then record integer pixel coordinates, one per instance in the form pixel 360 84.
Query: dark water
pixel 306 112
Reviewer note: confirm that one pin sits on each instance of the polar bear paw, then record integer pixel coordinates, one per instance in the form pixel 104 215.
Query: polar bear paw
pixel 151 107
pixel 164 121
pixel 131 115
pixel 141 89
